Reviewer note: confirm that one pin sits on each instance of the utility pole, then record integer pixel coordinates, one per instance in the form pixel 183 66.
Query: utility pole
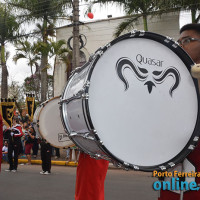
pixel 76 50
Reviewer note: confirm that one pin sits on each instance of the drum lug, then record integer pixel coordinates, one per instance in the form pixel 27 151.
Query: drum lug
pixel 136 167
pixel 133 32
pixel 85 96
pixel 101 142
pixel 162 168
pixel 118 165
pixel 142 33
pixel 98 156
pixel 100 53
pixel 108 45
pixel 78 95
pixel 175 45
pixel 87 84
pixel 196 139
pixel 72 134
pixel 91 156
pixel 91 58
pixel 191 147
pixel 171 164
pixel 126 166
pixel 74 71
pixel 168 39
pixel 93 131
pixel 84 135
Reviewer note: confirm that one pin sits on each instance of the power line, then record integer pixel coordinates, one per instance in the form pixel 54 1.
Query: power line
pixel 55 6
pixel 37 32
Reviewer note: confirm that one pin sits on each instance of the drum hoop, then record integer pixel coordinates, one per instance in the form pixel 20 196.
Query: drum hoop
pixel 44 104
pixel 66 125
pixel 188 63
pixel 35 124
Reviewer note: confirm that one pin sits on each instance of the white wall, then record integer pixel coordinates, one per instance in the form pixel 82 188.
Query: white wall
pixel 99 33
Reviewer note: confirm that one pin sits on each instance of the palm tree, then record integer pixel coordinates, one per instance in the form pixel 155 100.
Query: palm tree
pixel 177 5
pixel 63 54
pixel 46 11
pixel 8 31
pixel 194 6
pixel 26 50
pixel 134 11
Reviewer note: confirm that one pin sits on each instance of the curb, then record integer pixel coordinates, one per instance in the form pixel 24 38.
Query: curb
pixel 53 162
pixel 58 163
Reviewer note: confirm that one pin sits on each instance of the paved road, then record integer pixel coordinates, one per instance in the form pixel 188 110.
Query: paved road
pixel 28 184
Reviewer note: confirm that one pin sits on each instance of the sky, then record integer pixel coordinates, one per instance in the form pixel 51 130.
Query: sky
pixel 20 70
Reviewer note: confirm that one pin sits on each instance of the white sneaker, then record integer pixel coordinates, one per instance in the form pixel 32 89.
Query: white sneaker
pixel 42 172
pixel 47 173
pixel 7 170
pixel 14 170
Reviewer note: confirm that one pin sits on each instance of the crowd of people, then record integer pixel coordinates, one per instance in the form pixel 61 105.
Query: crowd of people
pixel 21 140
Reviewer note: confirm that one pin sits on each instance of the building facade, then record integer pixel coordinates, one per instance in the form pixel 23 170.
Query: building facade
pixel 99 33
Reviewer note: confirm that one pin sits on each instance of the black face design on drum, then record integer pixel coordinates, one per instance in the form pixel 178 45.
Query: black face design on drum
pixel 142 74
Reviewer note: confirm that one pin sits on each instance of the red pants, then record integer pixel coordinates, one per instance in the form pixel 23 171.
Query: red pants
pixel 90 177
pixel 189 195
pixel 1 139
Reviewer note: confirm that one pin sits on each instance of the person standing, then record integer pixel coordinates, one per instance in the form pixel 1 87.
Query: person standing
pixel 5 151
pixel 46 151
pixel 14 142
pixel 190 41
pixel 29 140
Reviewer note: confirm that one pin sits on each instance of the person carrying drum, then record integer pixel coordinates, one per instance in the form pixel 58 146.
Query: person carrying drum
pixel 90 177
pixel 190 41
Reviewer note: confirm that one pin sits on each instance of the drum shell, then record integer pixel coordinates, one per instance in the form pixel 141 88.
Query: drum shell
pixel 74 116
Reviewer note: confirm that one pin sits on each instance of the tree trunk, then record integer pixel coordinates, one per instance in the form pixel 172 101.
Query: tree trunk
pixel 193 14
pixel 4 79
pixel 44 78
pixel 76 51
pixel 43 67
pixel 145 22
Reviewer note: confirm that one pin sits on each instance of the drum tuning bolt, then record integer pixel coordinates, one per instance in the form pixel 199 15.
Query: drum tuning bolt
pixel 195 71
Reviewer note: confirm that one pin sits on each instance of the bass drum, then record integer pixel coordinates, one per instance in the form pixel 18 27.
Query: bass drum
pixel 35 121
pixel 134 103
pixel 48 125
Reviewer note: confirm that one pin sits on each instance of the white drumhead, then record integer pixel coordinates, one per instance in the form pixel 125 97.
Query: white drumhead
pixel 35 120
pixel 145 125
pixel 50 125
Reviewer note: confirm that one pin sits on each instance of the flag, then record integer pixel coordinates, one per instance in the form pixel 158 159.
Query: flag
pixel 30 104
pixel 7 107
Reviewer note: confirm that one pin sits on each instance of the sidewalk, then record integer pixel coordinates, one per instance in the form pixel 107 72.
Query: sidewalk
pixel 58 162
pixel 53 162
pixel 62 161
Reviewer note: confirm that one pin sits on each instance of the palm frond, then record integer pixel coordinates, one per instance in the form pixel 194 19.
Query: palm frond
pixel 126 25
pixel 18 56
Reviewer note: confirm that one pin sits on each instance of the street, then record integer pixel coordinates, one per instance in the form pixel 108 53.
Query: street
pixel 28 183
